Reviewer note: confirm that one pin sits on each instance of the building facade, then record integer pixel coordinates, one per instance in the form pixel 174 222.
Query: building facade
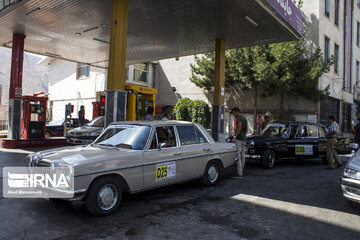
pixel 79 84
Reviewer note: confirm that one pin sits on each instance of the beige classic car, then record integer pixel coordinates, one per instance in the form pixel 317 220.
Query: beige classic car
pixel 136 156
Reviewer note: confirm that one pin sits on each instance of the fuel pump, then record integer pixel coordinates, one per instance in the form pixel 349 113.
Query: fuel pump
pixel 33 117
pixel 99 106
pixel 139 99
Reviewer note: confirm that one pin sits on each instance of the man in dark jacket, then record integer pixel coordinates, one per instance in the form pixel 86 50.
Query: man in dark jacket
pixel 81 114
pixel 356 130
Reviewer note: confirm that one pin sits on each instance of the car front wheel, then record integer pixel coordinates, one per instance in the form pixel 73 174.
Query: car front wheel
pixel 104 196
pixel 268 159
pixel 212 174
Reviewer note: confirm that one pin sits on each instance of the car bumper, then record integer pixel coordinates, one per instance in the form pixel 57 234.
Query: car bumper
pixel 351 189
pixel 75 195
pixel 252 156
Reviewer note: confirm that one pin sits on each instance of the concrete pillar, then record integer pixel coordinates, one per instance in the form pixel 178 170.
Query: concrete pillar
pixel 15 90
pixel 218 111
pixel 118 37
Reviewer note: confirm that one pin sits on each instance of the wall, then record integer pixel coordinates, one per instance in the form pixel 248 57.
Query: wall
pixel 64 88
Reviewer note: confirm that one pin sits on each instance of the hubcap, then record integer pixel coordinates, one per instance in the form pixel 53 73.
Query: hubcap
pixel 213 173
pixel 107 197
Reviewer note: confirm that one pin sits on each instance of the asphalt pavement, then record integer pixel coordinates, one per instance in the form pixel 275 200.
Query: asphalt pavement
pixel 294 200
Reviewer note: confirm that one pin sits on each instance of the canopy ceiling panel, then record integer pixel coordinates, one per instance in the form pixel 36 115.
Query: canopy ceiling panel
pixel 79 30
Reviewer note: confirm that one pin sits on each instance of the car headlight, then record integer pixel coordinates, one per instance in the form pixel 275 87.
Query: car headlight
pixel 251 144
pixel 351 173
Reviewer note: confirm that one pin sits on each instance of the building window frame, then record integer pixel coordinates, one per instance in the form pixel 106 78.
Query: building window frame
pixel 336 12
pixel 358 34
pixel 82 71
pixel 326 49
pixel 327 8
pixel 141 72
pixel 336 58
pixel 357 73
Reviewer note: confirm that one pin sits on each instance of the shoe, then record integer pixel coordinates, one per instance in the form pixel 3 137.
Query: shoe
pixel 237 177
pixel 329 168
pixel 339 165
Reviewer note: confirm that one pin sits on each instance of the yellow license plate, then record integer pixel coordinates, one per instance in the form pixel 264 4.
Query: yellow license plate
pixel 300 149
pixel 161 172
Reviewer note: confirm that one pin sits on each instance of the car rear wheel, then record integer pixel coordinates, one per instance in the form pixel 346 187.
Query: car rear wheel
pixel 212 174
pixel 268 159
pixel 104 196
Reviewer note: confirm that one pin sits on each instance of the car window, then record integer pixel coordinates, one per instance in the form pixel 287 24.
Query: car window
pixel 187 135
pixel 166 135
pixel 153 144
pixel 312 131
pixel 301 132
pixel 200 137
pixel 321 132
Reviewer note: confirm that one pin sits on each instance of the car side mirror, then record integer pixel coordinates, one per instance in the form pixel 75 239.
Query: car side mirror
pixel 162 145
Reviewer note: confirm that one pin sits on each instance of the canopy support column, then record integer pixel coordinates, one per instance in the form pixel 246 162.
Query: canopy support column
pixel 115 109
pixel 15 91
pixel 218 109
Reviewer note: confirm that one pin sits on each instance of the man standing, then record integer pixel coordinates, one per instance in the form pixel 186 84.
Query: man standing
pixel 356 130
pixel 81 114
pixel 331 142
pixel 240 140
pixel 266 121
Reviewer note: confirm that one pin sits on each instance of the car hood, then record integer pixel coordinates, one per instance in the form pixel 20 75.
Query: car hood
pixel 85 129
pixel 354 162
pixel 72 156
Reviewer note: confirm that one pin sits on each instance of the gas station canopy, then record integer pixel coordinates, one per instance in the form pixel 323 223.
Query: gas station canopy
pixel 79 30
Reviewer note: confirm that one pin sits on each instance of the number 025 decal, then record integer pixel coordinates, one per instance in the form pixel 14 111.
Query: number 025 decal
pixel 165 170
pixel 304 149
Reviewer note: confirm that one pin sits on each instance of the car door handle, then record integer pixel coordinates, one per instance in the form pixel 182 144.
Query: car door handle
pixel 206 149
pixel 177 153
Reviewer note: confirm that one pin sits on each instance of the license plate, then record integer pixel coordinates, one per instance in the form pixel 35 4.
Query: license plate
pixel 165 171
pixel 303 150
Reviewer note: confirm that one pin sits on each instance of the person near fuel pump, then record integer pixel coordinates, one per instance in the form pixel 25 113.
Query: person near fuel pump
pixel 356 130
pixel 240 140
pixel 81 114
pixel 149 115
pixel 331 142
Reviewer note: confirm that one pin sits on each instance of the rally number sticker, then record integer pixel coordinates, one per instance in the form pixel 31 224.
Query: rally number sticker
pixel 165 170
pixel 304 150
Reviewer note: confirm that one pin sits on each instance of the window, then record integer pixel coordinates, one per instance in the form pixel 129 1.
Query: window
pixel 327 8
pixel 357 73
pixel 337 12
pixel 82 71
pixel 166 135
pixel 5 3
pixel 322 133
pixel 327 49
pixel 358 34
pixel 336 55
pixel 187 135
pixel 140 72
pixel 312 131
pixel 301 132
pixel 200 137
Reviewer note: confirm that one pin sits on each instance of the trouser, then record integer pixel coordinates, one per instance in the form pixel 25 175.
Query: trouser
pixel 240 164
pixel 331 153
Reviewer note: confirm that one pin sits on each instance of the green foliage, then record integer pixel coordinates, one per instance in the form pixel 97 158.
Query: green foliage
pixel 200 113
pixel 284 116
pixel 193 111
pixel 183 109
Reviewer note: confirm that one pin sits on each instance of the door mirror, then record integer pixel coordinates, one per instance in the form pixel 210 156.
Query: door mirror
pixel 162 145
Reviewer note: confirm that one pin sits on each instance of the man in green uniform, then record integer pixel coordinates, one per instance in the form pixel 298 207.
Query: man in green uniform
pixel 240 140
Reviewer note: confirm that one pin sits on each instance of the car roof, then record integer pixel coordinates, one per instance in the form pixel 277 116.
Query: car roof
pixel 298 123
pixel 153 123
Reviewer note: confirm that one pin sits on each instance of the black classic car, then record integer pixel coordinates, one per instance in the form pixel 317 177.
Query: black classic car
pixel 292 141
pixel 56 127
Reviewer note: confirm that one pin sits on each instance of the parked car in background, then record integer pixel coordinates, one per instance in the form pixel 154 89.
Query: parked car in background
pixel 136 156
pixel 56 127
pixel 292 141
pixel 350 180
pixel 88 133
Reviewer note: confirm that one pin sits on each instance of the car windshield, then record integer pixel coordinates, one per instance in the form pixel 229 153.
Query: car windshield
pixel 56 122
pixel 276 130
pixel 96 122
pixel 124 136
